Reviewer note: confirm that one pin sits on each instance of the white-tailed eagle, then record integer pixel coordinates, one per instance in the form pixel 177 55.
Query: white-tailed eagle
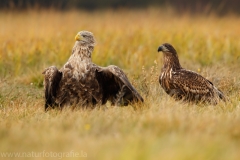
pixel 185 84
pixel 81 82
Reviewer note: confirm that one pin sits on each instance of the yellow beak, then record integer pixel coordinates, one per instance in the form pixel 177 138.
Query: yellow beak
pixel 78 37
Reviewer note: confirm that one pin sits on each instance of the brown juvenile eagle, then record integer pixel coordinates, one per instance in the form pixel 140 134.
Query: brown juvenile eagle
pixel 83 83
pixel 185 84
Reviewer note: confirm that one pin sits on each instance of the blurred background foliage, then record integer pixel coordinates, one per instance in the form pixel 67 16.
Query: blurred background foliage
pixel 197 6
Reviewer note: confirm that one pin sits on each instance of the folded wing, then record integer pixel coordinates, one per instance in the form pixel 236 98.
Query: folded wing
pixel 195 86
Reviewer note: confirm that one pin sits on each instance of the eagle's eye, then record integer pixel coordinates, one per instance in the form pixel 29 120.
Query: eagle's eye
pixel 84 36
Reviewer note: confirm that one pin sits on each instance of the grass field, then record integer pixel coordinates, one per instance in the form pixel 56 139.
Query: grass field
pixel 158 129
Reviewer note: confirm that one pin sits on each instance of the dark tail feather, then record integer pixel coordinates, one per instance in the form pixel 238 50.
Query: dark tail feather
pixel 221 95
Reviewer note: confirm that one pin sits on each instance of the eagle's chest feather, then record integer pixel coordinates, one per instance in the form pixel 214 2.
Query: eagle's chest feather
pixel 79 74
pixel 166 79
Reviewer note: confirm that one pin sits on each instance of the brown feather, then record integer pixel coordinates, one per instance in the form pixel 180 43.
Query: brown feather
pixel 51 85
pixel 118 84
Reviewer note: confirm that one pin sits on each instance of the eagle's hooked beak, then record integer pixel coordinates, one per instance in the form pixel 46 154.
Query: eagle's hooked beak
pixel 78 37
pixel 162 48
pixel 159 48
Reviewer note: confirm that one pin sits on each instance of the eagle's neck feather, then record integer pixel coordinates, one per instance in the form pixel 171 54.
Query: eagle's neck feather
pixel 171 62
pixel 82 53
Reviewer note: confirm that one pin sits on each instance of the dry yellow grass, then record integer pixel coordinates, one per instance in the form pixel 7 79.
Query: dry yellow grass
pixel 158 129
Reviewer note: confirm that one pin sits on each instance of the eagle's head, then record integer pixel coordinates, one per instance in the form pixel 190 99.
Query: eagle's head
pixel 167 49
pixel 170 55
pixel 85 37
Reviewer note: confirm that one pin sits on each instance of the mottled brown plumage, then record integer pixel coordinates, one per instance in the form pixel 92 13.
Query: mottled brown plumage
pixel 185 84
pixel 82 83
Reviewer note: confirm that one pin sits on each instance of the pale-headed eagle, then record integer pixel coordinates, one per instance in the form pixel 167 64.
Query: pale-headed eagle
pixel 81 82
pixel 184 84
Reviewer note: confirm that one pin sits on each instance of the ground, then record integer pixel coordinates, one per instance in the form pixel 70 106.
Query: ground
pixel 162 128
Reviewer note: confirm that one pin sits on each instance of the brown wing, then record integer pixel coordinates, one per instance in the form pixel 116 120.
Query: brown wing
pixel 195 85
pixel 190 81
pixel 116 86
pixel 52 78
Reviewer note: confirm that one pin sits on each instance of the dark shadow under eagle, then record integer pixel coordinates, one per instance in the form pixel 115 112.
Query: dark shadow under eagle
pixel 82 83
pixel 184 84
